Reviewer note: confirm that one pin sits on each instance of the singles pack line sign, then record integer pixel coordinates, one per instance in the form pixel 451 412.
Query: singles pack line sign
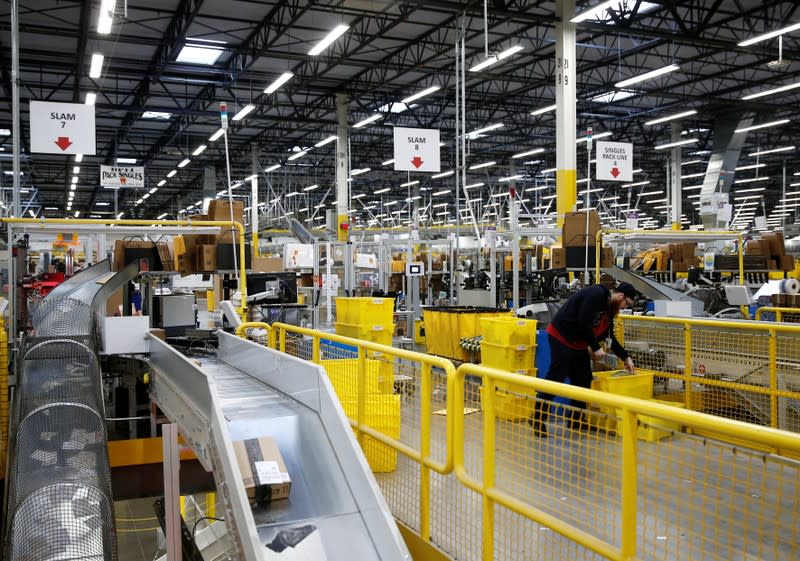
pixel 62 128
pixel 416 149
pixel 614 161
pixel 122 177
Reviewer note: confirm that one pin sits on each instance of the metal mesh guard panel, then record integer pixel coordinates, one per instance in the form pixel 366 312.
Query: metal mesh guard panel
pixel 59 442
pixel 61 317
pixel 66 521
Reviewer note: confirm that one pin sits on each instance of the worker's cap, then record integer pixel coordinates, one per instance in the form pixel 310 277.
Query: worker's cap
pixel 627 289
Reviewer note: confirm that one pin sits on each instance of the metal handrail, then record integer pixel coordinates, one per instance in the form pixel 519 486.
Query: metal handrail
pixel 778 310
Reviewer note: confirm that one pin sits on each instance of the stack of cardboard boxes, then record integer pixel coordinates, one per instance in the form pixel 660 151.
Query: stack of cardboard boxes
pixel 771 247
pixel 576 234
pixel 202 253
pixel 678 257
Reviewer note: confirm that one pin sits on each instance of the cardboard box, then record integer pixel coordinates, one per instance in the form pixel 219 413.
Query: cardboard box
pixel 786 263
pixel 775 243
pixel 128 251
pixel 607 257
pixel 263 471
pixel 160 333
pixel 267 264
pixel 220 210
pixel 206 258
pixel 558 257
pixel 575 231
pixel 114 303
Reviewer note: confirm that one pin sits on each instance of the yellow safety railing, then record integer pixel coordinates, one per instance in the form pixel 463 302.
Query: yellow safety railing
pixel 212 223
pixel 745 370
pixel 777 310
pixel 242 329
pixel 497 491
pixel 627 540
pixel 673 235
pixel 418 380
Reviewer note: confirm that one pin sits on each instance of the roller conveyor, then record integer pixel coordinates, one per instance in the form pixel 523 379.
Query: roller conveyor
pixel 250 391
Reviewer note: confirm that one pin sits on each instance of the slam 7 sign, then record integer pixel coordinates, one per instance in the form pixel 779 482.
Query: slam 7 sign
pixel 120 177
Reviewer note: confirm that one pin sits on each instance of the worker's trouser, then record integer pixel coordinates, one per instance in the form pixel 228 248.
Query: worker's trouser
pixel 565 363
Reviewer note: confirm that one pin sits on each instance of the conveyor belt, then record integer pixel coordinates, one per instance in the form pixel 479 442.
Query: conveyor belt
pixel 250 391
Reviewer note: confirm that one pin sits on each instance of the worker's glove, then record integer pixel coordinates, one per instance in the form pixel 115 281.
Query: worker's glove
pixel 629 365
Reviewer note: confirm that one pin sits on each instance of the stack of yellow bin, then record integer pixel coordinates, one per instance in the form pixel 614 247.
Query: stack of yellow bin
pixel 368 319
pixel 509 343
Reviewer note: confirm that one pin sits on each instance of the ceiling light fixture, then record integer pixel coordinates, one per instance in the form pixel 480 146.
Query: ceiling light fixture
pixel 421 94
pixel 672 117
pixel 637 184
pixel 773 151
pixel 676 144
pixel 780 89
pixel 752 179
pixel 91 97
pixel 297 155
pixel 359 171
pixel 162 183
pixel 159 115
pixel 172 173
pixel 315 186
pixel 96 66
pixel 473 186
pixel 477 132
pixel 243 112
pixel 78 158
pixel 647 76
pixel 769 35
pixel 279 81
pixel 272 168
pixel 199 150
pixel 382 191
pixel 367 121
pixel 491 60
pixel 409 184
pixel 594 137
pixel 528 153
pixel 332 36
pixel 183 163
pixel 480 166
pixel 387 162
pixel 440 193
pixel 216 135
pixel 510 178
pixel 443 174
pixel 610 97
pixel 325 141
pixel 543 110
pixel 763 125
pixel 122 160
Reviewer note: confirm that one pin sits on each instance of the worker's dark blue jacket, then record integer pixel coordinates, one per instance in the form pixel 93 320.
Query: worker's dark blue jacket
pixel 585 319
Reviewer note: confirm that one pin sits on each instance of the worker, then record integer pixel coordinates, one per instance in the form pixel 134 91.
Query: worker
pixel 574 335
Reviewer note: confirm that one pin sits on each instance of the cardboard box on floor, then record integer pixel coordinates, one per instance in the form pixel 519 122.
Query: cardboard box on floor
pixel 262 469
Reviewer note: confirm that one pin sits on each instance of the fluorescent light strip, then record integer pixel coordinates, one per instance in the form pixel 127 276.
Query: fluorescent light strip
pixel 594 137
pixel 672 117
pixel 443 174
pixel 90 98
pixel 763 126
pixel 510 178
pixel 199 150
pixel 676 144
pixel 528 153
pixel 387 162
pixel 692 188
pixel 183 163
pixel 769 35
pixel 216 135
pixel 243 112
pixel 359 171
pixel 647 76
pixel 409 184
pixel 473 186
pixel 279 81
pixel 773 151
pixel 272 168
pixel 772 91
pixel 297 155
pixel 543 110
pixel 637 184
pixel 172 173
pixel 96 65
pixel 325 141
pixel 337 32
pixel 476 132
pixel 418 95
pixel 692 175
pixel 483 165
pixel 752 179
pixel 367 121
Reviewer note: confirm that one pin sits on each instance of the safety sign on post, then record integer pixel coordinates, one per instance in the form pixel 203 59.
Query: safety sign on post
pixel 416 149
pixel 62 128
pixel 614 161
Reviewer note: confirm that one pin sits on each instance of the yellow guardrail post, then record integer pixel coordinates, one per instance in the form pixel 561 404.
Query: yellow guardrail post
pixel 629 430
pixel 282 340
pixel 773 378
pixel 252 325
pixel 488 406
pixel 361 413
pixel 315 350
pixel 425 450
pixel 688 367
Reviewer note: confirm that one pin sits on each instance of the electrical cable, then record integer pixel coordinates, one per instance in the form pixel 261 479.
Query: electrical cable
pixel 194 527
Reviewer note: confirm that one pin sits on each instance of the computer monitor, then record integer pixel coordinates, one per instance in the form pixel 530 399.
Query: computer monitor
pixel 272 288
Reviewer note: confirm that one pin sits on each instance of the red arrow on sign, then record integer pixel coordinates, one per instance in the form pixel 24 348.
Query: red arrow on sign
pixel 417 161
pixel 63 142
pixel 615 171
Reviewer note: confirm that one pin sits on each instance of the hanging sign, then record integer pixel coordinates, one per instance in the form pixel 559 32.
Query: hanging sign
pixel 121 177
pixel 416 149
pixel 614 161
pixel 62 128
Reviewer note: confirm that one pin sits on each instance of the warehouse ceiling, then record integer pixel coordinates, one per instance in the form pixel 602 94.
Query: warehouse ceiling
pixel 157 110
